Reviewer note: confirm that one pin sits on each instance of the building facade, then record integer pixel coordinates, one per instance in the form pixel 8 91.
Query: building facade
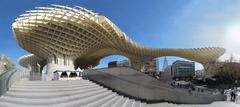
pixel 5 64
pixel 124 63
pixel 151 67
pixel 183 69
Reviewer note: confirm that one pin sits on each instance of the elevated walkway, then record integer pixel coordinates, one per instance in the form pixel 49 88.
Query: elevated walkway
pixel 134 84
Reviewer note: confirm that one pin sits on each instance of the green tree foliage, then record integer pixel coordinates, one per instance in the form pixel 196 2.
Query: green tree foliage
pixel 228 72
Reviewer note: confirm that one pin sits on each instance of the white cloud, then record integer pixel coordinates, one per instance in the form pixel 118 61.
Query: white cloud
pixel 213 23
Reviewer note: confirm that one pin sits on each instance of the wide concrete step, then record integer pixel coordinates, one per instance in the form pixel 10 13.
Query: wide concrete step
pixel 9 104
pixel 111 101
pixel 66 84
pixel 137 104
pixel 80 93
pixel 101 101
pixel 119 102
pixel 51 94
pixel 87 100
pixel 128 103
pixel 55 100
pixel 50 87
pixel 52 82
pixel 60 81
pixel 6 104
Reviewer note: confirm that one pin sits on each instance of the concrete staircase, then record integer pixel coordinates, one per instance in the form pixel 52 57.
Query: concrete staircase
pixel 74 93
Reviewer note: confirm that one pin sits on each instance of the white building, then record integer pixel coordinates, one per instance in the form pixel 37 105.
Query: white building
pixel 124 63
pixel 151 67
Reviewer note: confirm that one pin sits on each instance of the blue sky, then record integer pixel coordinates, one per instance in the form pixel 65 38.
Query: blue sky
pixel 152 23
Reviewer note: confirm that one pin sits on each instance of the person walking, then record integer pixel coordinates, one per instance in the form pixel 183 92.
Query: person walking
pixel 233 95
pixel 189 90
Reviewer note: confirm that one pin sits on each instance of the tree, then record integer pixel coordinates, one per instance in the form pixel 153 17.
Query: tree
pixel 229 71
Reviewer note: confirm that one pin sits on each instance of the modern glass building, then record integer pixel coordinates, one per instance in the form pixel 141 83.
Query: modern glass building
pixel 183 69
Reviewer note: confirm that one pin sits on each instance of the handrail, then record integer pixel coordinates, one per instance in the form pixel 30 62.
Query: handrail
pixel 7 79
pixel 5 72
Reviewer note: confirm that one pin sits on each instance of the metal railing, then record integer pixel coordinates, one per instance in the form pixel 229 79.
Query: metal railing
pixel 7 79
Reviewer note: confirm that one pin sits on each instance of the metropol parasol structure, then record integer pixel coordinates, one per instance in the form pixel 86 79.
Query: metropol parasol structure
pixel 67 38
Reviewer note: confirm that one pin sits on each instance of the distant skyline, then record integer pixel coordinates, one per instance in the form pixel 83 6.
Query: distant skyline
pixel 155 23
